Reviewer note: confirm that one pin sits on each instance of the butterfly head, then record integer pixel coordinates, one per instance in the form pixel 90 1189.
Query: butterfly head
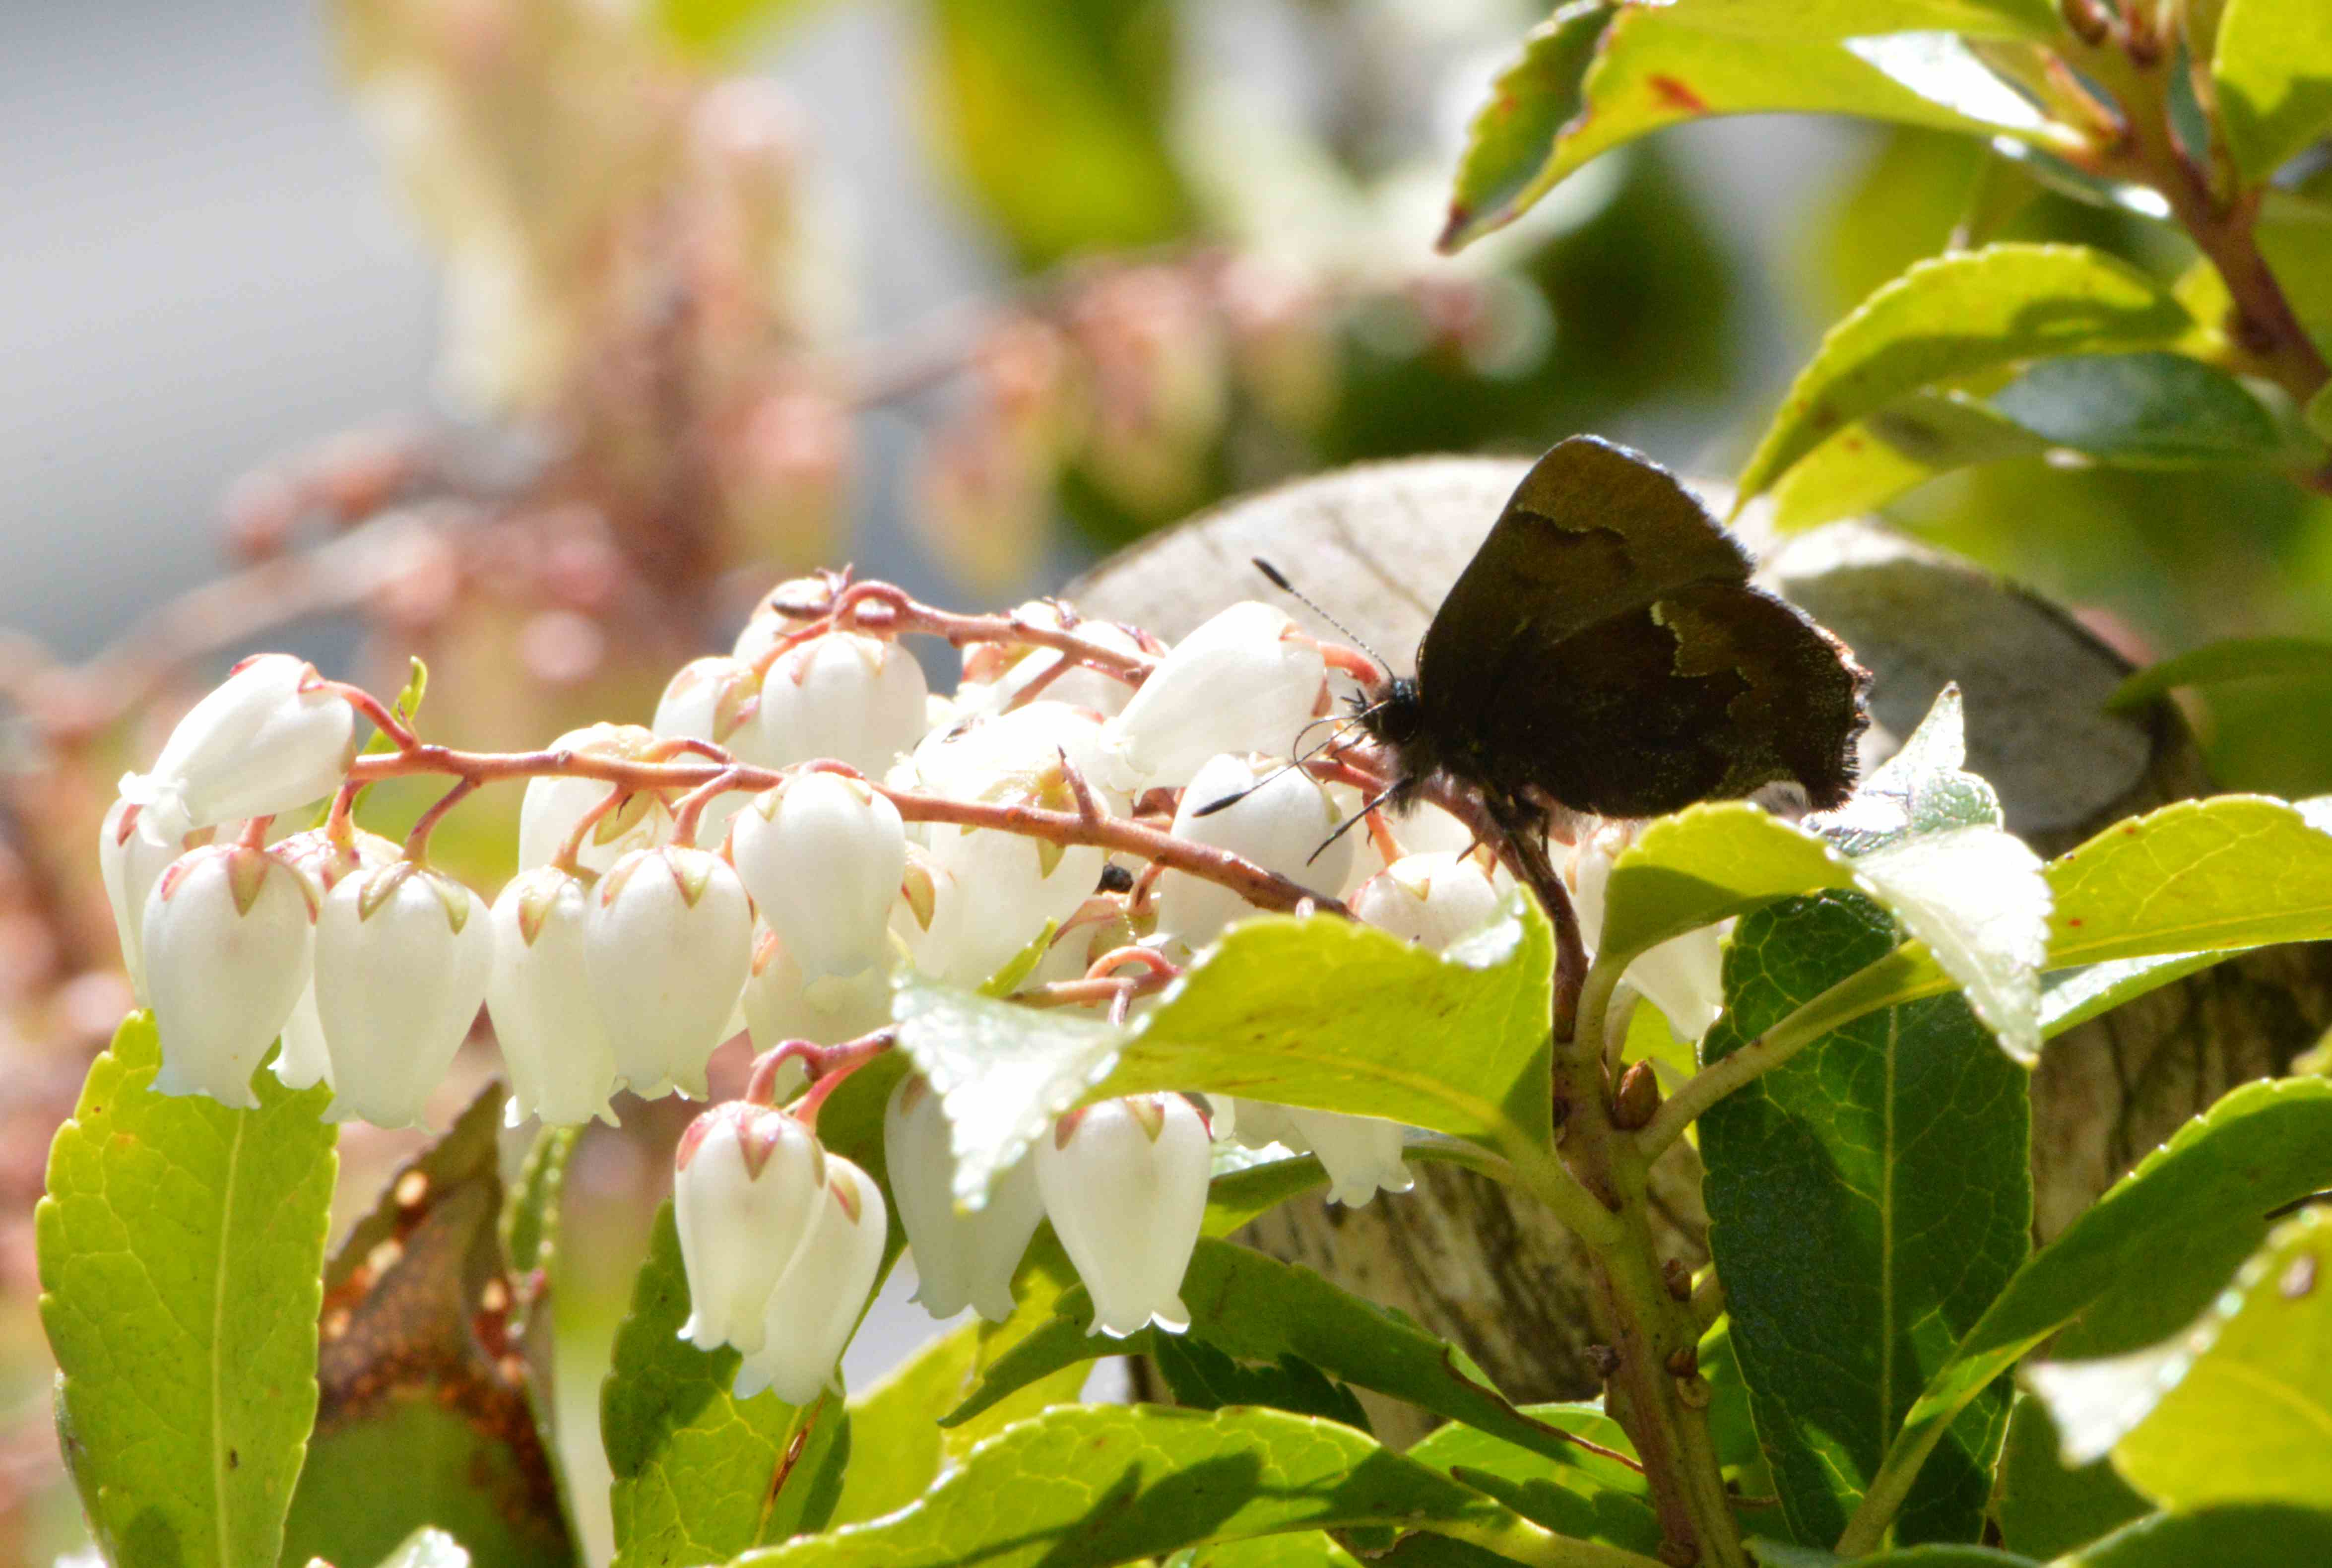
pixel 1392 714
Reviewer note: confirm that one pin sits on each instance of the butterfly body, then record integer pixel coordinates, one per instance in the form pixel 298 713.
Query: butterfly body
pixel 1605 652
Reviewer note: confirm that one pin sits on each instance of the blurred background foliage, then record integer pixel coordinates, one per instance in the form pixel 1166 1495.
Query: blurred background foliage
pixel 1182 249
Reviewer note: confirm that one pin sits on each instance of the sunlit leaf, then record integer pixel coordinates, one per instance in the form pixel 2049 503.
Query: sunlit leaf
pixel 2237 1536
pixel 2045 1509
pixel 2228 659
pixel 2273 73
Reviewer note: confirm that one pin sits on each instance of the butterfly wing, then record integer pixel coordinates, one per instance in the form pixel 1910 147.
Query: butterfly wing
pixel 1605 646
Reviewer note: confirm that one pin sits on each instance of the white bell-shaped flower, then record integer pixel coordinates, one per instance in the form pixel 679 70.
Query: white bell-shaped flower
pixel 746 1182
pixel 844 696
pixel 1125 1185
pixel 1684 976
pixel 304 1061
pixel 1279 818
pixel 822 854
pixel 994 675
pixel 555 1044
pixel 402 957
pixel 1361 1154
pixel 964 1256
pixel 273 736
pixel 1431 899
pixel 671 944
pixel 130 861
pixel 554 804
pixel 710 699
pixel 815 1307
pixel 786 609
pixel 227 936
pixel 781 1005
pixel 1246 681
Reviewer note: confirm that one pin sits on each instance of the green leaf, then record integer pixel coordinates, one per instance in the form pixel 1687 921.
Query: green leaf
pixel 2273 72
pixel 2319 413
pixel 2075 996
pixel 2032 19
pixel 2146 1258
pixel 1111 1483
pixel 1594 1500
pixel 1055 115
pixel 425 1418
pixel 1654 67
pixel 1322 1012
pixel 181 1247
pixel 1203 1377
pixel 1891 451
pixel 1020 965
pixel 2150 409
pixel 2044 1508
pixel 1866 1200
pixel 2236 1408
pixel 1954 316
pixel 2239 1535
pixel 700 1475
pixel 2228 659
pixel 1779 1554
pixel 1923 788
pixel 716 30
pixel 1257 1309
pixel 529 1222
pixel 1708 862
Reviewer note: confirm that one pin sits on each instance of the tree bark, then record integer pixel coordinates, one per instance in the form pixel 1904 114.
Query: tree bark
pixel 1377 546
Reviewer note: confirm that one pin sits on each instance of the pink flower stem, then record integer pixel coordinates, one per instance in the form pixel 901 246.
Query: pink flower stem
pixel 416 843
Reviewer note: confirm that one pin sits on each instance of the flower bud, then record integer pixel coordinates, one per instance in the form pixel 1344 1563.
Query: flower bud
pixel 844 696
pixel 822 854
pixel 781 1005
pixel 746 1184
pixel 322 860
pixel 402 956
pixel 130 861
pixel 995 674
pixel 815 1307
pixel 1125 1185
pixel 1431 899
pixel 562 1065
pixel 1279 818
pixel 963 1258
pixel 270 738
pixel 1246 681
pixel 710 699
pixel 555 804
pixel 671 946
pixel 226 937
pixel 1684 976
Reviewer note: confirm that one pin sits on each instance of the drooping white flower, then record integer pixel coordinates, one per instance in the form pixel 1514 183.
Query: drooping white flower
pixel 402 957
pixel 1684 976
pixel 1361 1154
pixel 1280 824
pixel 562 1065
pixel 746 1182
pixel 844 696
pixel 130 861
pixel 787 608
pixel 963 1258
pixel 1125 1185
pixel 273 736
pixel 671 945
pixel 710 699
pixel 815 1307
pixel 1246 681
pixel 1431 899
pixel 781 1005
pixel 304 1061
pixel 822 854
pixel 554 804
pixel 226 934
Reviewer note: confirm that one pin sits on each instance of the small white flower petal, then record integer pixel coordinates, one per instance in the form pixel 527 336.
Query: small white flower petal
pixel 746 1182
pixel 1125 1185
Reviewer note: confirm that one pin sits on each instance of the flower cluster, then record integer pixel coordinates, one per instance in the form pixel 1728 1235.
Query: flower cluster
pixel 802 826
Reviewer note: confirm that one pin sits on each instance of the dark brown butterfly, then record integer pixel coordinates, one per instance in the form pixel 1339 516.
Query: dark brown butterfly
pixel 1604 652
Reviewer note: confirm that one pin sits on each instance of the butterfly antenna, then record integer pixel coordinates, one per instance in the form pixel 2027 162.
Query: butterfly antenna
pixel 1211 807
pixel 1280 580
pixel 1349 823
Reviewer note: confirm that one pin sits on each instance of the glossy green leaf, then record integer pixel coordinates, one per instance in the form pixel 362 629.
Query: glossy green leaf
pixel 2044 1508
pixel 1093 1485
pixel 1957 315
pixel 180 1247
pixel 2238 1536
pixel 2273 72
pixel 2032 19
pixel 1201 1377
pixel 1055 115
pixel 1923 790
pixel 1657 66
pixel 1300 1549
pixel 1592 1498
pixel 2146 1259
pixel 2237 1408
pixel 2228 659
pixel 1866 1200
pixel 1319 1012
pixel 1892 451
pixel 1778 1554
pixel 423 1417
pixel 1257 1309
pixel 1708 862
pixel 2150 409
pixel 2075 996
pixel 699 1474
